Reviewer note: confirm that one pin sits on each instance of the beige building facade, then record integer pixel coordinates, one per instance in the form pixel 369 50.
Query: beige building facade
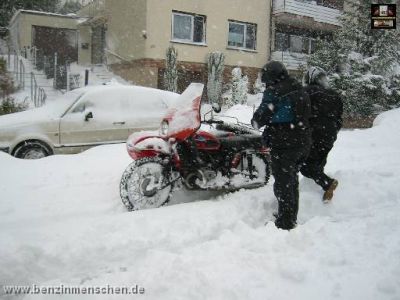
pixel 137 34
pixel 131 36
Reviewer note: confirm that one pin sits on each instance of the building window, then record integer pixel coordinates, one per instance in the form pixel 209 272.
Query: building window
pixel 306 45
pixel 294 43
pixel 188 28
pixel 242 35
pixel 313 44
pixel 281 41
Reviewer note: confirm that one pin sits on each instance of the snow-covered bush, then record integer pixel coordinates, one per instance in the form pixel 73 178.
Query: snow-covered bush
pixel 360 62
pixel 394 101
pixel 244 89
pixel 171 72
pixel 363 95
pixel 258 86
pixel 8 105
pixel 239 88
pixel 216 64
pixel 6 83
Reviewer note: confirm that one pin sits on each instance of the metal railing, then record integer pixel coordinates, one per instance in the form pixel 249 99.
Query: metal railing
pixel 292 60
pixel 63 79
pixel 38 95
pixel 21 74
pixel 17 69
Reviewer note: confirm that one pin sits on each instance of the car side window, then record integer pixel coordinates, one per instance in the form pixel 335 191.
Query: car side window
pixel 84 104
pixel 80 107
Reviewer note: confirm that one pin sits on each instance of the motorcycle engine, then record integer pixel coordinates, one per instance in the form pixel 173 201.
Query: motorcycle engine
pixel 199 178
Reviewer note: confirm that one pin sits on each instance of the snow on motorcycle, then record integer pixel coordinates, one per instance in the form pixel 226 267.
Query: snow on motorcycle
pixel 210 154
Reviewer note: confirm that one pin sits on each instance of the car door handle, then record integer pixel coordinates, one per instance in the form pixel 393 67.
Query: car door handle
pixel 119 123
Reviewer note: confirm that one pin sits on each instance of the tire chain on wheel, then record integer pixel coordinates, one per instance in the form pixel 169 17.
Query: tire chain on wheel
pixel 126 176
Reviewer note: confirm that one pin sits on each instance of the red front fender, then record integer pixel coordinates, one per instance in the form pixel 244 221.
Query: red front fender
pixel 147 146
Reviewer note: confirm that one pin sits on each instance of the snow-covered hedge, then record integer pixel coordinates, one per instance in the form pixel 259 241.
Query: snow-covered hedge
pixel 240 88
pixel 362 63
pixel 216 64
pixel 171 72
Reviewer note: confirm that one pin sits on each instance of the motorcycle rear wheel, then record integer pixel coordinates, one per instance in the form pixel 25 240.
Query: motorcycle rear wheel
pixel 261 167
pixel 144 185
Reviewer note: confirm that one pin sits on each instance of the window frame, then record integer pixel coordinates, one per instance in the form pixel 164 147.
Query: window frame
pixel 245 24
pixel 284 47
pixel 306 41
pixel 312 40
pixel 192 16
pixel 292 39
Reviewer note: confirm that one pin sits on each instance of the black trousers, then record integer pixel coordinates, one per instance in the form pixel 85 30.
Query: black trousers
pixel 315 163
pixel 285 164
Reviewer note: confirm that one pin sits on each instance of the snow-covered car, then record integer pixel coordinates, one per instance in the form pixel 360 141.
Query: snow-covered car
pixel 83 118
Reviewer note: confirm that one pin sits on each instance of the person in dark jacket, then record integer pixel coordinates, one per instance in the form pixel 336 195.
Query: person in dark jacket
pixel 326 121
pixel 285 112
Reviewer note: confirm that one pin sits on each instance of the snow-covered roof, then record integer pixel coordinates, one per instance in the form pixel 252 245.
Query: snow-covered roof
pixel 43 13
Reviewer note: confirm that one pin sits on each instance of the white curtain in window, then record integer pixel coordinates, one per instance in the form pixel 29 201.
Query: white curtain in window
pixel 250 36
pixel 236 35
pixel 182 27
pixel 296 43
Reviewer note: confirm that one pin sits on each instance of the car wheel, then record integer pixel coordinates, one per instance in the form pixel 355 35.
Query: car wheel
pixel 32 150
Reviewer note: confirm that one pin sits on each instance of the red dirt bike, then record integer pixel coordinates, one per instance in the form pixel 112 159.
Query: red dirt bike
pixel 211 154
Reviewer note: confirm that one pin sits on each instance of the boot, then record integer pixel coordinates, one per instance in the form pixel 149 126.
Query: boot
pixel 284 222
pixel 328 195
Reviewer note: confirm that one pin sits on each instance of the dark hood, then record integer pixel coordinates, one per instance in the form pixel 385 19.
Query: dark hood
pixel 285 86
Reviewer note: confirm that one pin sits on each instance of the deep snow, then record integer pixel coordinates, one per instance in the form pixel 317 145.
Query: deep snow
pixel 62 222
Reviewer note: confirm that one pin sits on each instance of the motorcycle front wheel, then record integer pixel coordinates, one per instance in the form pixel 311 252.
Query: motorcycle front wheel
pixel 145 184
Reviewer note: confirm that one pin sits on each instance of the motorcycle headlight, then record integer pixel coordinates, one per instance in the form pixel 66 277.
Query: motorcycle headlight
pixel 164 128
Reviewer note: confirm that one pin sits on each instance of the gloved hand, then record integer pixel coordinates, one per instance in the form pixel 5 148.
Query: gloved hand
pixel 255 125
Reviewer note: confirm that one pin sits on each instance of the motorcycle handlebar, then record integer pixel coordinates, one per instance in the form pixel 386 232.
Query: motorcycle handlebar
pixel 238 126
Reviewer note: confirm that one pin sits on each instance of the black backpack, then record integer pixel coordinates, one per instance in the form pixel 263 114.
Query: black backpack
pixel 301 106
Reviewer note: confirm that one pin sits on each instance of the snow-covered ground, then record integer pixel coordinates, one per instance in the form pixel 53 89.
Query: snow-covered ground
pixel 98 75
pixel 62 222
